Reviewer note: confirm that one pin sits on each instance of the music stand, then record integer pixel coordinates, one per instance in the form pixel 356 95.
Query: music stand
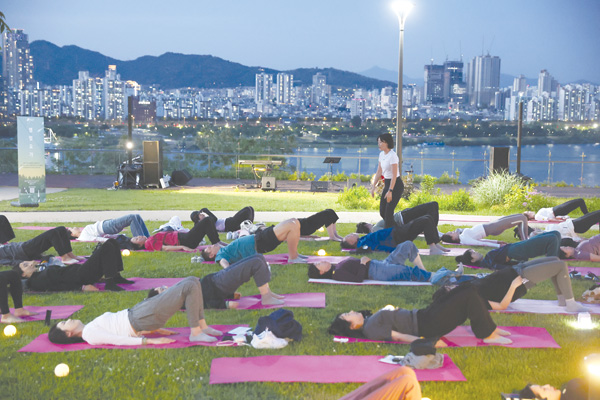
pixel 331 161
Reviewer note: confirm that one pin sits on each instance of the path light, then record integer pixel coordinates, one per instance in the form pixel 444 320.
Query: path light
pixel 10 330
pixel 126 252
pixel 584 320
pixel 592 365
pixel 321 252
pixel 321 229
pixel 61 370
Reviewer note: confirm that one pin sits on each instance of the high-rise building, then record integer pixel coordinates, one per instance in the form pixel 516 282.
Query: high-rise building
pixel 483 80
pixel 285 86
pixel 17 62
pixel 113 95
pixel 320 91
pixel 572 103
pixel 434 84
pixel 87 96
pixel 546 83
pixel 519 84
pixel 263 88
pixel 454 87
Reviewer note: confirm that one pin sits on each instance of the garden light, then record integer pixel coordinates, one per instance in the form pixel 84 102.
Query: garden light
pixel 10 330
pixel 126 252
pixel 61 370
pixel 592 363
pixel 321 252
pixel 584 320
pixel 321 229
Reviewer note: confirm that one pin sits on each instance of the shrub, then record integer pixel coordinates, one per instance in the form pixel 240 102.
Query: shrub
pixel 525 198
pixel 304 176
pixel 447 179
pixel 357 197
pixel 457 201
pixel 341 177
pixel 491 190
pixel 427 184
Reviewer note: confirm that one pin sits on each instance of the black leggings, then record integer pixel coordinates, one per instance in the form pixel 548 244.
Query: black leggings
pixel 568 206
pixel 193 238
pixel 57 238
pixel 13 279
pixel 309 225
pixel 386 210
pixel 6 231
pixel 432 209
pixel 233 223
pixel 105 261
pixel 585 222
pixel 453 309
pixel 414 228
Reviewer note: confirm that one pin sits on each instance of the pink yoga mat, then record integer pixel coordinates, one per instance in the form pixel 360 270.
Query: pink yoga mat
pixel 311 300
pixel 145 283
pixel 41 344
pixel 58 312
pixel 585 270
pixel 454 251
pixel 523 337
pixel 545 307
pixel 283 259
pixel 315 238
pixel 36 228
pixel 370 282
pixel 317 369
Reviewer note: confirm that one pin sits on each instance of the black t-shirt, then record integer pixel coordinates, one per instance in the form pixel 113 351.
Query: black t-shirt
pixel 350 270
pixel 494 286
pixel 56 279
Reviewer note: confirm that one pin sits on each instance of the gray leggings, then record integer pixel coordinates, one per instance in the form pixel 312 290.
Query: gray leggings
pixel 497 227
pixel 544 268
pixel 228 280
pixel 153 313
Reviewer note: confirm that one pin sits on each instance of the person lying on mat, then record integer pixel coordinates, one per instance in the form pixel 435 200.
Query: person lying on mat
pixel 509 284
pixel 101 230
pixel 225 224
pixel 388 239
pixel 128 327
pixel 575 389
pixel 6 231
pixel 12 279
pixel 398 384
pixel 263 241
pixel 16 252
pixel 441 317
pixel 588 250
pixel 175 241
pixel 559 212
pixel 547 243
pixel 105 261
pixel 571 227
pixel 472 236
pixel 404 217
pixel 217 288
pixel 393 268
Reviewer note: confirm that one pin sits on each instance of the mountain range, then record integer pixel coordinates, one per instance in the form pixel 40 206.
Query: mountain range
pixel 54 65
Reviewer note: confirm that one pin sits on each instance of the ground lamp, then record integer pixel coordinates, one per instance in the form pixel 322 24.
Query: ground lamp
pixel 10 330
pixel 402 8
pixel 321 252
pixel 592 366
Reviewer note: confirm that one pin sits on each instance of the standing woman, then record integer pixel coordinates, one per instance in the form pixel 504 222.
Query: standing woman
pixel 393 185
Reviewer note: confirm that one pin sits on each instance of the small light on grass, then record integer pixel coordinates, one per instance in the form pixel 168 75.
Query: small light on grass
pixel 126 252
pixel 10 330
pixel 61 370
pixel 321 229
pixel 584 320
pixel 592 363
pixel 321 252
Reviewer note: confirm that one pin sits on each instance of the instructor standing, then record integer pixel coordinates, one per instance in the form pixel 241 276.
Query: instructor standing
pixel 393 185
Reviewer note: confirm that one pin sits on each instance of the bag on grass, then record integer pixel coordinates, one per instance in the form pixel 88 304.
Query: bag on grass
pixel 281 323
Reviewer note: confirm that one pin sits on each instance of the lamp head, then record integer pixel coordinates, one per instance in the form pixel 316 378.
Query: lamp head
pixel 402 8
pixel 129 145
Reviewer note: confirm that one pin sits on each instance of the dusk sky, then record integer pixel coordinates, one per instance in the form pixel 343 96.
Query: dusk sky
pixel 562 36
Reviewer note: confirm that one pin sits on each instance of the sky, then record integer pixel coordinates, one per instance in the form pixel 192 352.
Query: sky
pixel 561 36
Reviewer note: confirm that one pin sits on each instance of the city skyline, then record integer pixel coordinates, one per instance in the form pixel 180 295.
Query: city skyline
pixel 528 37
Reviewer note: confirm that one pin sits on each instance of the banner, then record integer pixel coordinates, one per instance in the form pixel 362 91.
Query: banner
pixel 32 160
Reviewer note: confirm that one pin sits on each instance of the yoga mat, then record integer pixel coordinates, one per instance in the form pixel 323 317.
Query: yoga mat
pixel 144 283
pixel 283 259
pixel 36 228
pixel 41 344
pixel 584 270
pixel 371 282
pixel 454 251
pixel 58 312
pixel 314 238
pixel 544 307
pixel 490 243
pixel 317 369
pixel 311 300
pixel 523 337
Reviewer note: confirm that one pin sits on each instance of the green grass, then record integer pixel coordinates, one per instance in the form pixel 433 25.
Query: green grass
pixel 184 373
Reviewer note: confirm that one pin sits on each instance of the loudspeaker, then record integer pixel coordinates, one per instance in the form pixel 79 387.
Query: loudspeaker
pixel 180 177
pixel 499 159
pixel 130 176
pixel 319 186
pixel 153 157
pixel 268 183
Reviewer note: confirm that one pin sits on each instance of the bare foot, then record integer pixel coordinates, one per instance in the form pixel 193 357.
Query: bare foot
pixel 90 288
pixel 21 312
pixel 232 304
pixel 10 319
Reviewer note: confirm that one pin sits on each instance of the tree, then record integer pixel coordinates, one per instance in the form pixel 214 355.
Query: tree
pixel 356 121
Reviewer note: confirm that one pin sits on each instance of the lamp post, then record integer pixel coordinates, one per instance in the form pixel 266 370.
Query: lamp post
pixel 402 8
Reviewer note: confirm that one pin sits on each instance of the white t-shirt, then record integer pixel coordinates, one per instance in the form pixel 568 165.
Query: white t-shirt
pixel 111 328
pixel 92 233
pixel 472 236
pixel 566 229
pixel 545 214
pixel 386 161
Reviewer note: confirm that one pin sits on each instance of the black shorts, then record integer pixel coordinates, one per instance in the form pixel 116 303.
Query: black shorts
pixel 266 240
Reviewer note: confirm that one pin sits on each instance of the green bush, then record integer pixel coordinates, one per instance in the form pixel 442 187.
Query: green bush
pixel 457 201
pixel 427 184
pixel 491 190
pixel 447 179
pixel 304 176
pixel 526 198
pixel 363 178
pixel 357 197
pixel 341 177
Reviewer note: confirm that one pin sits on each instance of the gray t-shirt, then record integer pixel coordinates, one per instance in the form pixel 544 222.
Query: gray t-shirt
pixel 381 224
pixel 12 254
pixel 380 325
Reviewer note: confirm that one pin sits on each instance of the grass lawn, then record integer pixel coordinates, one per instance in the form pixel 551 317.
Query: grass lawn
pixel 184 373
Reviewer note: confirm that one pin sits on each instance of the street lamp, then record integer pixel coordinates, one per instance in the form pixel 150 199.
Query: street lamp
pixel 402 8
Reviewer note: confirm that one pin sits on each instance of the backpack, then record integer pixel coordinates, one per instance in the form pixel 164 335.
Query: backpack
pixel 282 323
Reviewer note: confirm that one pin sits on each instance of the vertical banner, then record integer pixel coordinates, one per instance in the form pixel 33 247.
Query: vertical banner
pixel 32 161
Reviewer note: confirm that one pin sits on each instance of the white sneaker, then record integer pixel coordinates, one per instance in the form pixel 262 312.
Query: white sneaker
pixel 228 236
pixel 267 340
